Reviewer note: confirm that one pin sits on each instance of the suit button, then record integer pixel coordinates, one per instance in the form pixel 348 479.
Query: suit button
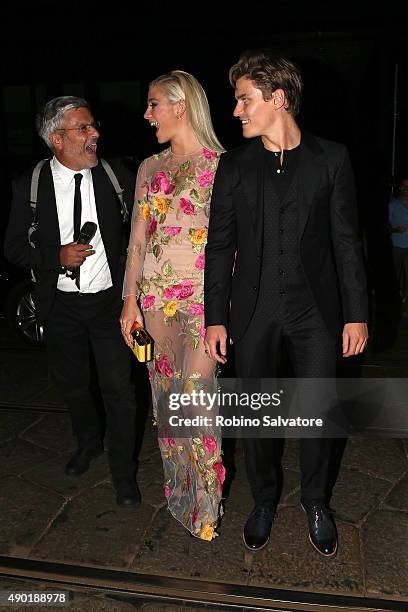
pixel 281 230
pixel 281 272
pixel 281 252
pixel 282 292
pixel 254 287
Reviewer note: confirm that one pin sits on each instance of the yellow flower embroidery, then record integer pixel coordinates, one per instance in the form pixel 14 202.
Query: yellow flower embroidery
pixel 198 236
pixel 207 532
pixel 188 387
pixel 146 211
pixel 170 308
pixel 161 205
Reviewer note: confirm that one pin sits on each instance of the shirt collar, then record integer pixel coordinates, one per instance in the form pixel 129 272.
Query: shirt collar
pixel 66 174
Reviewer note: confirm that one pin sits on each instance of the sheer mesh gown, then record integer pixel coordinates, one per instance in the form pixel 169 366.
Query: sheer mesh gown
pixel 165 270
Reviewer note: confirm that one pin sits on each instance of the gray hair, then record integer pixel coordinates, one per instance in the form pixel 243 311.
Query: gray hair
pixel 51 117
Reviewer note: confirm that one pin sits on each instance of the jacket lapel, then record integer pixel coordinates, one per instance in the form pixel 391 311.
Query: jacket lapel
pixel 252 182
pixel 310 171
pixel 101 193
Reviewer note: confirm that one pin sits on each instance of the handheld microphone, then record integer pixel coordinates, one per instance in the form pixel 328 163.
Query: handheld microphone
pixel 87 232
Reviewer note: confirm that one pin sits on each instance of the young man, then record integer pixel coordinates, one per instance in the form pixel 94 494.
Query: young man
pixel 78 289
pixel 284 220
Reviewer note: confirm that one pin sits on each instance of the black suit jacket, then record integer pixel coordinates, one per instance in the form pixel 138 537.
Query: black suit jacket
pixel 44 259
pixel 329 245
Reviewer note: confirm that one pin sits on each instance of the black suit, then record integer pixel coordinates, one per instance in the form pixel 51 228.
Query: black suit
pixel 73 322
pixel 325 287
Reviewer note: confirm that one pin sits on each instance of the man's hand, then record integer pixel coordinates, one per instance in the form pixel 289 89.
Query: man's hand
pixel 73 255
pixel 355 336
pixel 216 335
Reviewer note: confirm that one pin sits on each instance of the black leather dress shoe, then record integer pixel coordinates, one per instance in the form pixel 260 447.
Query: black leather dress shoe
pixel 258 527
pixel 80 460
pixel 127 492
pixel 322 529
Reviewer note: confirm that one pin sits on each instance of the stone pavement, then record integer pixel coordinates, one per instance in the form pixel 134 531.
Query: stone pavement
pixel 45 515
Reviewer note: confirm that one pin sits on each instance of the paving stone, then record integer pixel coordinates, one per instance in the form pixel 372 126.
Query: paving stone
pixel 223 559
pixel 356 494
pixel 398 496
pixel 382 458
pixel 53 432
pixel 168 549
pixel 150 480
pixel 51 475
pixel 282 563
pixel 385 545
pixel 93 529
pixel 165 547
pixel 18 455
pixel 14 422
pixel 25 511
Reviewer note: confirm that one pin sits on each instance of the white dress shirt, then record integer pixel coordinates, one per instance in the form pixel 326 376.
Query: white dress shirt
pixel 95 273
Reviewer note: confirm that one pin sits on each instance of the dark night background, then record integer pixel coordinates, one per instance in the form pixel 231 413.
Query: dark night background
pixel 349 54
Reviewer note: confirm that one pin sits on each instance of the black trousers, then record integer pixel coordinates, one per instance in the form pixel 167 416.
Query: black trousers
pixel 77 324
pixel 311 351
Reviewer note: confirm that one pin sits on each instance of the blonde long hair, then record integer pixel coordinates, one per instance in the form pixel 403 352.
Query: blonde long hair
pixel 179 85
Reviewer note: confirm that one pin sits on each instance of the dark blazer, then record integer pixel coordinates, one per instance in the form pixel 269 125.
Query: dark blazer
pixel 44 259
pixel 329 246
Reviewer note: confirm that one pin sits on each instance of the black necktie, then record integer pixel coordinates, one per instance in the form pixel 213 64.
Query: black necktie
pixel 77 219
pixel 77 205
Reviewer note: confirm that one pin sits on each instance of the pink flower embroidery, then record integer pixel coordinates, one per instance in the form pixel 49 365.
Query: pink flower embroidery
pixel 184 290
pixel 202 332
pixel 163 365
pixel 167 491
pixel 186 206
pixel 152 226
pixel 172 230
pixel 169 293
pixel 161 182
pixel 219 469
pixel 200 261
pixel 197 310
pixel 205 178
pixel 209 444
pixel 209 154
pixel 148 301
pixel 151 375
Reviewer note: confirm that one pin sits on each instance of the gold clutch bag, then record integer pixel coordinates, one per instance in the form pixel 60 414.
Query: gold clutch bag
pixel 142 343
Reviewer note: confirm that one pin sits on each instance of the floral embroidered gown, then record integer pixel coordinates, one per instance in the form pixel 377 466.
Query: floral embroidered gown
pixel 165 269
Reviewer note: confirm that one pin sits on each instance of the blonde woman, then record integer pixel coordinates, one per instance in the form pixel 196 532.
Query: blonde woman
pixel 165 275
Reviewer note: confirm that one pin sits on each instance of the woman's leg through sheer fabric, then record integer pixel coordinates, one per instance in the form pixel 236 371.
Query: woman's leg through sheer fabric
pixel 193 469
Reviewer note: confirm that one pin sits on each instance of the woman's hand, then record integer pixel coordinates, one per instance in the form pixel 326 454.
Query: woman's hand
pixel 130 313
